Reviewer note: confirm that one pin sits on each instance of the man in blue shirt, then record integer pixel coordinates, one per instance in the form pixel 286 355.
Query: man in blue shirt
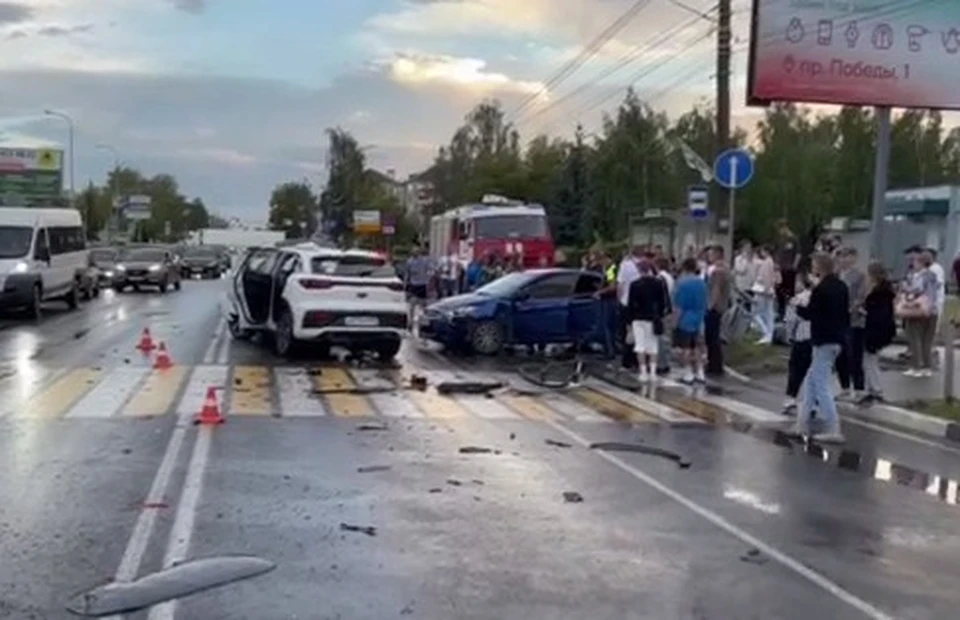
pixel 690 307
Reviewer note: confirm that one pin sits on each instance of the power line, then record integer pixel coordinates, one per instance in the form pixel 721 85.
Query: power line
pixel 625 60
pixel 586 54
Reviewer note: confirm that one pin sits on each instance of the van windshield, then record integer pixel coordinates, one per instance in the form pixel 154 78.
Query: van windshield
pixel 15 241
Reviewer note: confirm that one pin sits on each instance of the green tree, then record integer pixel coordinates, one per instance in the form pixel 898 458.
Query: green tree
pixel 293 208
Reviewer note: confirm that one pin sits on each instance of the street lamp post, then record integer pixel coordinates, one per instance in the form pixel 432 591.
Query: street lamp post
pixel 69 121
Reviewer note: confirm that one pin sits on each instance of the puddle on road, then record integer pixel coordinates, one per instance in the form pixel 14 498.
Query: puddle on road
pixel 845 458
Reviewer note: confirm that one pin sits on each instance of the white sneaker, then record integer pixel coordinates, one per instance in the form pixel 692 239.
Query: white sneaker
pixel 911 372
pixel 925 372
pixel 699 377
pixel 789 404
pixel 687 378
pixel 644 376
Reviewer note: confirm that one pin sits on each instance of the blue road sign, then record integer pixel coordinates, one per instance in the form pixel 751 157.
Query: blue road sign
pixel 698 201
pixel 733 168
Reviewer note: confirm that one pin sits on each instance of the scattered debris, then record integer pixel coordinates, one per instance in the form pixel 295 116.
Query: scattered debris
pixel 478 482
pixel 572 497
pixel 436 490
pixel 557 444
pixel 615 446
pixel 418 382
pixel 173 583
pixel 475 450
pixel 407 609
pixel 370 469
pixel 126 360
pixel 372 426
pixel 127 451
pixel 454 482
pixel 468 387
pixel 476 498
pixel 369 530
pixel 80 334
pixel 238 381
pixel 753 556
pixel 513 436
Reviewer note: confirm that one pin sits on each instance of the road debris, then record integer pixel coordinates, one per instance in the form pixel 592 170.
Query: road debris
pixel 436 490
pixel 370 469
pixel 369 530
pixel 557 444
pixel 372 426
pixel 753 556
pixel 454 482
pixel 475 450
pixel 418 382
pixel 615 446
pixel 513 436
pixel 572 497
pixel 468 387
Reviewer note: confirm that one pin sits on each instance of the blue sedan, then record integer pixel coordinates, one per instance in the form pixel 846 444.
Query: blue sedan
pixel 536 307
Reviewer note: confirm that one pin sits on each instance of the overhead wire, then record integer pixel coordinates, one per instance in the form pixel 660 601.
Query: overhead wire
pixel 571 66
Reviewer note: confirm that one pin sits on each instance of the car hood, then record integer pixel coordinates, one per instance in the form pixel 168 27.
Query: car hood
pixel 104 264
pixel 138 264
pixel 461 301
pixel 196 260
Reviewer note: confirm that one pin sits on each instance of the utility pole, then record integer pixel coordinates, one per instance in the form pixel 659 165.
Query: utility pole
pixel 724 36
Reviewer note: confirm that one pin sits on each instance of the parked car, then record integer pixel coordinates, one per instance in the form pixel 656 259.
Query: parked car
pixel 536 307
pixel 322 296
pixel 146 266
pixel 42 255
pixel 201 261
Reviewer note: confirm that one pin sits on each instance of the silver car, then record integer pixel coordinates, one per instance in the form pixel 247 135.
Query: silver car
pixel 151 266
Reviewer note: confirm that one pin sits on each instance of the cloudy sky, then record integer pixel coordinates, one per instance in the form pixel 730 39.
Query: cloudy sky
pixel 233 96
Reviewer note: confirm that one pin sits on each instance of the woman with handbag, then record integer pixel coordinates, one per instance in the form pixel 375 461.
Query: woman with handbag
pixel 916 305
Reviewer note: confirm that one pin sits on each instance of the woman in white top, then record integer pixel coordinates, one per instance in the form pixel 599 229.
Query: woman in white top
pixel 764 294
pixel 744 268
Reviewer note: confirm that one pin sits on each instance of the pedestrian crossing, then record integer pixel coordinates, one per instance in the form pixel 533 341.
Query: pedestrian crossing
pixel 299 392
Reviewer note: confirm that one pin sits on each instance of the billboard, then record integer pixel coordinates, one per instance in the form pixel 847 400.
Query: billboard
pixel 30 175
pixel 367 222
pixel 902 53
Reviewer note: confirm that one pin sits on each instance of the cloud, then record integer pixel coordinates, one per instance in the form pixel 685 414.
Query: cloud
pixel 471 73
pixel 14 12
pixel 63 31
pixel 194 7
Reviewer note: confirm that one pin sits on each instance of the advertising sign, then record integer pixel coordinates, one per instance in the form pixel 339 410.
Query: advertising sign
pixel 30 175
pixel 862 52
pixel 136 208
pixel 366 222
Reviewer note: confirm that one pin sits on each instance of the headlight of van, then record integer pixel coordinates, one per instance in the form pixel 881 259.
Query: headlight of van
pixel 21 267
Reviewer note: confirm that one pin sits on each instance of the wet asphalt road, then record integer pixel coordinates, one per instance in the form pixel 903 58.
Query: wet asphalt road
pixel 100 482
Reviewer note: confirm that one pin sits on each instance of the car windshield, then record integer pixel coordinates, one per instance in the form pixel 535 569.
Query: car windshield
pixel 508 284
pixel 511 226
pixel 352 266
pixel 199 253
pixel 143 256
pixel 103 255
pixel 15 241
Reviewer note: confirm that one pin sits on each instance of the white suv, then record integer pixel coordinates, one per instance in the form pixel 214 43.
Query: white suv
pixel 325 296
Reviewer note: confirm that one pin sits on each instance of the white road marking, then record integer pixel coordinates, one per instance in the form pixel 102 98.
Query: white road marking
pixel 370 379
pixel 146 521
pixel 223 354
pixel 847 419
pixel 209 355
pixel 395 405
pixel 782 558
pixel 746 410
pixel 203 378
pixel 109 396
pixel 571 409
pixel 295 388
pixel 181 532
pixel 486 408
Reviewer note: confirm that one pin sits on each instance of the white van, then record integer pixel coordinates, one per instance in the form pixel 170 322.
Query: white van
pixel 42 254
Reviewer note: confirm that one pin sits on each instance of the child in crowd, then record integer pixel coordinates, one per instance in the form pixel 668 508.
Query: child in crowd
pixel 801 350
pixel 881 327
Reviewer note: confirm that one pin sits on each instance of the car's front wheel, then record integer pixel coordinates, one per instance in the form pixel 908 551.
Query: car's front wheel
pixel 283 340
pixel 486 338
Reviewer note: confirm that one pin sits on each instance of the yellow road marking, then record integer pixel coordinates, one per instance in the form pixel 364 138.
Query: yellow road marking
pixel 61 395
pixel 251 389
pixel 434 405
pixel 692 406
pixel 611 407
pixel 527 407
pixel 334 383
pixel 158 393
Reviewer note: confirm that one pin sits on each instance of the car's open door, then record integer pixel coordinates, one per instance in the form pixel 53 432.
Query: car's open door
pixel 253 285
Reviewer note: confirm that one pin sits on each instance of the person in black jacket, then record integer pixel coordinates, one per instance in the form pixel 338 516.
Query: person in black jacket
pixel 648 303
pixel 881 327
pixel 829 314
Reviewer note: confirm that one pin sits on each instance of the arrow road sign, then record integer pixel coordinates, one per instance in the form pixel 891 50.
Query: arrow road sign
pixel 733 168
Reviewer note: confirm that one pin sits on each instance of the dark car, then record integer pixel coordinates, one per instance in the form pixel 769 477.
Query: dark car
pixel 146 266
pixel 201 261
pixel 537 307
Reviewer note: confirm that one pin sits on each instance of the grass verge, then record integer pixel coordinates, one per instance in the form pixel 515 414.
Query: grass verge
pixel 939 408
pixel 750 358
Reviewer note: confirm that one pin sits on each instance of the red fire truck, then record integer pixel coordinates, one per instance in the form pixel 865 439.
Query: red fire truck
pixel 495 226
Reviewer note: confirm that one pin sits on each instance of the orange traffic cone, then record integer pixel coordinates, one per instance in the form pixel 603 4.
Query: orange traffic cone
pixel 146 341
pixel 210 413
pixel 163 360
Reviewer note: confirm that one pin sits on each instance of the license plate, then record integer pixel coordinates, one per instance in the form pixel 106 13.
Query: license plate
pixel 136 278
pixel 361 321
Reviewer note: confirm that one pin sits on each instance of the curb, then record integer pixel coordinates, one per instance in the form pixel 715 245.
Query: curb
pixel 907 419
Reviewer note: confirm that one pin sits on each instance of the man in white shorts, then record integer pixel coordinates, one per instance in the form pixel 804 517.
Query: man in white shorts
pixel 647 306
